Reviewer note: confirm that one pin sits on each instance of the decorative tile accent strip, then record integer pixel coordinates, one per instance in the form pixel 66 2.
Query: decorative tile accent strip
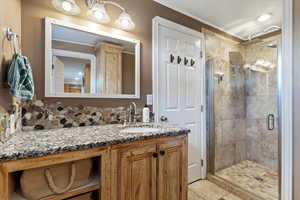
pixel 8 127
pixel 37 115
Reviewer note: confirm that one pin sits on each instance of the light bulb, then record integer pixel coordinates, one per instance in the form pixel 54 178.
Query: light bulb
pixel 264 17
pixel 125 21
pixel 99 13
pixel 67 6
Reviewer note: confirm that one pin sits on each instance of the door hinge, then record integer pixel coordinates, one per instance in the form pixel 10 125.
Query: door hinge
pixel 202 108
pixel 201 54
pixel 52 66
pixel 202 163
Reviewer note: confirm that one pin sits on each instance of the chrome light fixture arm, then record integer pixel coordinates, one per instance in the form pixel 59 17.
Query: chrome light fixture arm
pixel 91 3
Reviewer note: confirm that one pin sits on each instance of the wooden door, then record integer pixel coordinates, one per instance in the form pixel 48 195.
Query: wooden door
pixel 172 170
pixel 134 173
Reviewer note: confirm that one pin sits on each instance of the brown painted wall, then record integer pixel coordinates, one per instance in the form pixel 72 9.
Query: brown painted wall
pixel 296 99
pixel 10 16
pixel 142 12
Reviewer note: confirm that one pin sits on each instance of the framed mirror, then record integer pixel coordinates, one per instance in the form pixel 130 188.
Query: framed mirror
pixel 85 63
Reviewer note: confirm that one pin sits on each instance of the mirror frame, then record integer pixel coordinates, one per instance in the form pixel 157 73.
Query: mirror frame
pixel 49 53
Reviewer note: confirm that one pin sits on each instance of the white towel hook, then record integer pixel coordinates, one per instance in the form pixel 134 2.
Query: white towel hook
pixel 10 35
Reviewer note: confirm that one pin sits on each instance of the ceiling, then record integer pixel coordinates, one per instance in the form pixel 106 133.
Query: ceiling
pixel 65 34
pixel 236 17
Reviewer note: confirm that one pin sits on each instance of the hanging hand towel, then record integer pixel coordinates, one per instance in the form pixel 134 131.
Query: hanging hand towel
pixel 20 80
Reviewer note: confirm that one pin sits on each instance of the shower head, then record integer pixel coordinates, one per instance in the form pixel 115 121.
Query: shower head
pixel 265 31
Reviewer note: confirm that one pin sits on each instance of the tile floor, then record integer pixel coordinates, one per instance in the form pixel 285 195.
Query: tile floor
pixel 206 190
pixel 254 178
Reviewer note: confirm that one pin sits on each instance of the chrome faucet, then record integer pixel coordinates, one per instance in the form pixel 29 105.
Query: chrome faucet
pixel 132 112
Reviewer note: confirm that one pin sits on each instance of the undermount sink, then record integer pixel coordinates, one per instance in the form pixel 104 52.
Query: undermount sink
pixel 141 129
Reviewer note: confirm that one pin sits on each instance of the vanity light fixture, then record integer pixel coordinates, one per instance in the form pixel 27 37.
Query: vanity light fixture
pixel 66 6
pixel 98 12
pixel 125 22
pixel 264 17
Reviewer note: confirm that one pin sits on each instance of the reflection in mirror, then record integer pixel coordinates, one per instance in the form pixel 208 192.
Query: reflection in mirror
pixel 73 74
pixel 84 63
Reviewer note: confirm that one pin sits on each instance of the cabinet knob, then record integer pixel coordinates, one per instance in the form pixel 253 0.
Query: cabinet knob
pixel 155 154
pixel 162 153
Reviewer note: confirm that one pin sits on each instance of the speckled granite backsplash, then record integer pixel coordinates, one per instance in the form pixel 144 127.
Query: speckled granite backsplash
pixel 37 115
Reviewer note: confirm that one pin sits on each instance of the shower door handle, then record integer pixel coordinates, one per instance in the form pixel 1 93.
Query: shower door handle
pixel 271 122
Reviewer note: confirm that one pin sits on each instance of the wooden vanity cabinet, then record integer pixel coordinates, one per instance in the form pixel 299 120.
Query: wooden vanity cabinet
pixel 172 170
pixel 10 174
pixel 150 170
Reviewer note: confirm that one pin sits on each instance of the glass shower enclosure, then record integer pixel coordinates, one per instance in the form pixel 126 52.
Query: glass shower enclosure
pixel 242 115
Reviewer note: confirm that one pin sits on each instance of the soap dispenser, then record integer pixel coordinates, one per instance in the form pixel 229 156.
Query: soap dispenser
pixel 146 114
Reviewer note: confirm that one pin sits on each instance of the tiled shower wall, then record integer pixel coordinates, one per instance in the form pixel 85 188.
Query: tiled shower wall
pixel 229 103
pixel 242 102
pixel 261 97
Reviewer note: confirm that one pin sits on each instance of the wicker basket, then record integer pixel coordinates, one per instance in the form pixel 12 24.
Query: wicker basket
pixel 57 179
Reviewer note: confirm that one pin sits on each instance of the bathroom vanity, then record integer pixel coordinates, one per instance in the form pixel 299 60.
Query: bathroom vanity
pixel 141 162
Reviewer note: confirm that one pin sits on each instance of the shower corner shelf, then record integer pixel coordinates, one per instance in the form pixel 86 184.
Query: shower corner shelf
pixel 94 185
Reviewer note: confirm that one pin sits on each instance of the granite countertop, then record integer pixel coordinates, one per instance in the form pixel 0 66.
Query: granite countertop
pixel 41 143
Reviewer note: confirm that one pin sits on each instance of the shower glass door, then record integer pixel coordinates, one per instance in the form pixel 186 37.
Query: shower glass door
pixel 243 118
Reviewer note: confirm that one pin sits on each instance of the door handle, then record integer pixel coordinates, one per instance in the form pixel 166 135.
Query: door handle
pixel 271 122
pixel 162 153
pixel 163 119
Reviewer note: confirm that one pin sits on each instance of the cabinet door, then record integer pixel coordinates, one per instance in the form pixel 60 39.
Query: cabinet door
pixel 172 170
pixel 135 177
